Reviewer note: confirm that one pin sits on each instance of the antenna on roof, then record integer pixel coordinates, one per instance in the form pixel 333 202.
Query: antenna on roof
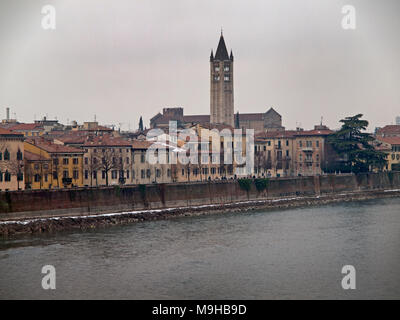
pixel 222 32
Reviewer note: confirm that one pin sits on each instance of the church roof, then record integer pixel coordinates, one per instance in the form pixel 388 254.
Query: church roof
pixel 222 52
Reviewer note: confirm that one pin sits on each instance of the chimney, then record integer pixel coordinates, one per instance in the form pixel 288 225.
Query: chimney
pixel 8 113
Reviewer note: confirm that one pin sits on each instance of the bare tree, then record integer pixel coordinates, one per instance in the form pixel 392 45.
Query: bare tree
pixel 109 161
pixel 93 165
pixel 16 168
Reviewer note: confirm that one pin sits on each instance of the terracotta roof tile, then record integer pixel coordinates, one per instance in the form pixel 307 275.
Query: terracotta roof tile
pixel 52 147
pixel 6 132
pixel 106 141
pixel 390 140
pixel 26 126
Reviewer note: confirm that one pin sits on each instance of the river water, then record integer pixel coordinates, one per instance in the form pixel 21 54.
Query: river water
pixel 278 254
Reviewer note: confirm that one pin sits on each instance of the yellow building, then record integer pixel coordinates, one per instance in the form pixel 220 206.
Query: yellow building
pixel 291 153
pixel 273 154
pixel 28 129
pixel 11 161
pixel 49 165
pixel 391 146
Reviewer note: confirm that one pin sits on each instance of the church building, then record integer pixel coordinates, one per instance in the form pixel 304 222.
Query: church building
pixel 221 101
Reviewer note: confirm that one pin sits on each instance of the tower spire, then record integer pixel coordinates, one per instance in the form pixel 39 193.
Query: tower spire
pixel 221 53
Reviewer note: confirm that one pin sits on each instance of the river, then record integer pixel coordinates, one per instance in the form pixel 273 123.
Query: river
pixel 277 254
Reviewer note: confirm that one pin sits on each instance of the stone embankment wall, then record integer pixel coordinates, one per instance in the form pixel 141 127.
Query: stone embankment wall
pixel 50 203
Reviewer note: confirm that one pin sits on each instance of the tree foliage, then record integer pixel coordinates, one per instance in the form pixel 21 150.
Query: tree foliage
pixel 355 147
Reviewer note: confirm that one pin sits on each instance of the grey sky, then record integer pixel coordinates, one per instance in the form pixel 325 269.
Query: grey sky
pixel 125 58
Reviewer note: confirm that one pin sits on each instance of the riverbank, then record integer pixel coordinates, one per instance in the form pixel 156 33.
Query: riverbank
pixel 84 222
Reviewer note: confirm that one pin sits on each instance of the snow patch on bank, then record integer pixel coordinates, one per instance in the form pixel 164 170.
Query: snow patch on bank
pixel 165 210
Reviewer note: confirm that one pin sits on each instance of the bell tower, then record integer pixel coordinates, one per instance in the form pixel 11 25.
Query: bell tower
pixel 221 85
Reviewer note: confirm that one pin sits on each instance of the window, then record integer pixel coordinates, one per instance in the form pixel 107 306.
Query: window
pixel 142 158
pixel 65 161
pixel 169 172
pixel 46 177
pixel 75 174
pixel 127 160
pixel 216 77
pixel 158 173
pixel 127 174
pixel 148 173
pixel 65 174
pixel 45 166
pixel 1 176
pixel 1 156
pixel 216 67
pixel 226 67
pixel 37 177
pixel 309 144
pixel 75 161
pixel 95 175
pixel 183 172
pixel 6 155
pixel 133 174
pixel 103 174
pixel 227 77
pixel 55 161
pixel 19 155
pixel 287 143
pixel 317 143
pixel 55 175
pixel 114 174
pixel 86 174
pixel 142 174
pixel 36 166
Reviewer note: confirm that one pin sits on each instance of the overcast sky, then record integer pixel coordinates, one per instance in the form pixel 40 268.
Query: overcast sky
pixel 125 58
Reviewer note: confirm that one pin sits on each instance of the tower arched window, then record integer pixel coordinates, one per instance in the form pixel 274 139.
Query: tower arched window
pixel 6 155
pixel 19 155
pixel 7 176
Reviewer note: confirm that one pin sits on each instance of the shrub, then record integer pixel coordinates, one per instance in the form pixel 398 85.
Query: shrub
pixel 261 184
pixel 245 184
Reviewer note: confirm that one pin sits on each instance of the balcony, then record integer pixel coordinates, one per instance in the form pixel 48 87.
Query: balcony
pixel 307 149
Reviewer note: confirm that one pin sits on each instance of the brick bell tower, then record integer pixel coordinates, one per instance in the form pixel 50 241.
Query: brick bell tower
pixel 221 85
